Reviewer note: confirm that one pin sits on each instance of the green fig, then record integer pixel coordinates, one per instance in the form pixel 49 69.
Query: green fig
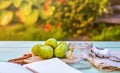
pixel 35 49
pixel 46 52
pixel 61 50
pixel 51 42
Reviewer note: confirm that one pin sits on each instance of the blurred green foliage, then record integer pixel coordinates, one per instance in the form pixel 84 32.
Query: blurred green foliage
pixel 21 32
pixel 42 19
pixel 106 32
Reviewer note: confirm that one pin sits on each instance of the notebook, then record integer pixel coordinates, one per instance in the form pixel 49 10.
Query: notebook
pixel 53 65
pixel 7 67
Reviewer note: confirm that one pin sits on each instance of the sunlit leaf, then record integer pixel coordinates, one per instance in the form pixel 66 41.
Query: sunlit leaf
pixel 20 16
pixel 17 3
pixel 5 3
pixel 6 18
pixel 42 1
pixel 15 27
pixel 31 2
pixel 46 13
pixel 26 9
pixel 82 6
pixel 32 18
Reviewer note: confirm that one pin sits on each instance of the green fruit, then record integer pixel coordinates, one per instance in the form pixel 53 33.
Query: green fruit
pixel 35 49
pixel 61 50
pixel 46 52
pixel 51 42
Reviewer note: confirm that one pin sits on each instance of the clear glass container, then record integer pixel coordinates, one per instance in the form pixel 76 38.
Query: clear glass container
pixel 80 53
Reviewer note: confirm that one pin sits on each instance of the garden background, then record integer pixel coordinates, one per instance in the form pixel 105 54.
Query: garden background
pixel 34 20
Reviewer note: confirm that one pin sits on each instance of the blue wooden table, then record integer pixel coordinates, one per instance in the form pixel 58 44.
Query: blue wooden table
pixel 14 49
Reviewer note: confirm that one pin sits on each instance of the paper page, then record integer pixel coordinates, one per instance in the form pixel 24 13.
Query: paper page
pixel 7 67
pixel 54 65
